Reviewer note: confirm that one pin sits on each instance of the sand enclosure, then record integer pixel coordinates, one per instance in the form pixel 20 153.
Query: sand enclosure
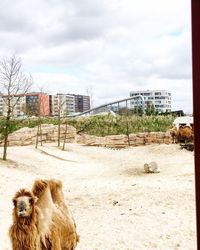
pixel 116 205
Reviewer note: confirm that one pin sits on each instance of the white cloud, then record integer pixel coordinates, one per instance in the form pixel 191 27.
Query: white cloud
pixel 115 46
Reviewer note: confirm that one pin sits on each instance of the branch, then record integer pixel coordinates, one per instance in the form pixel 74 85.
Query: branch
pixel 13 80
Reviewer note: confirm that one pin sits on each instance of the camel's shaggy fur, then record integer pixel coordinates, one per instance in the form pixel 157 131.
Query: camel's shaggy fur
pixel 174 133
pixel 23 232
pixel 62 228
pixel 182 134
pixel 185 133
pixel 47 223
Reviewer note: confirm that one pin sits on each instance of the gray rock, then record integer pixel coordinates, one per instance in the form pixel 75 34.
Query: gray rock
pixel 151 167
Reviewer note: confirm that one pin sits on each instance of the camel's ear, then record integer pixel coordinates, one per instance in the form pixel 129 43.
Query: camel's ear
pixel 33 200
pixel 14 200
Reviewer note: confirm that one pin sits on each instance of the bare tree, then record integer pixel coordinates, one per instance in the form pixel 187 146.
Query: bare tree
pixel 39 112
pixel 14 85
pixel 62 111
pixel 65 135
pixel 30 109
pixel 90 93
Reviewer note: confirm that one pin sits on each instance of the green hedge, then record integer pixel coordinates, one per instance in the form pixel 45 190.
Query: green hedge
pixel 110 125
pixel 102 125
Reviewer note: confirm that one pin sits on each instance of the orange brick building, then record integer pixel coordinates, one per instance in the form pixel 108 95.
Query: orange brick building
pixel 38 102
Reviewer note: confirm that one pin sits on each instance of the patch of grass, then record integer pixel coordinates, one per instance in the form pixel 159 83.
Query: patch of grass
pixel 101 125
pixel 110 125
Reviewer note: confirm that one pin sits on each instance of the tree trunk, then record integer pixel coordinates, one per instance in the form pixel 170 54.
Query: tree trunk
pixel 5 143
pixel 65 137
pixel 58 130
pixel 127 131
pixel 36 143
pixel 41 134
pixel 127 124
pixel 6 132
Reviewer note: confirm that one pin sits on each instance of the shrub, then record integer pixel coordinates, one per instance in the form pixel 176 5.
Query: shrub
pixel 110 125
pixel 101 125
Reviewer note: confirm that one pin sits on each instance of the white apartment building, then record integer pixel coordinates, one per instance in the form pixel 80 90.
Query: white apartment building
pixel 161 99
pixel 63 104
pixel 70 104
pixel 18 104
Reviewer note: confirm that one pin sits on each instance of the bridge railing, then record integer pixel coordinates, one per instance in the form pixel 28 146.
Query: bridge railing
pixel 105 106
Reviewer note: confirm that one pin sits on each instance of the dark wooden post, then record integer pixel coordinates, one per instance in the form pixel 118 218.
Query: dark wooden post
pixel 196 103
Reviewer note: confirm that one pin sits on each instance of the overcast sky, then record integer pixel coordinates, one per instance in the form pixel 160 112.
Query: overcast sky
pixel 106 48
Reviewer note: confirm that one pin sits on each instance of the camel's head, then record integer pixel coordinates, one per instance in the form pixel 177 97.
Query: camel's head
pixel 24 202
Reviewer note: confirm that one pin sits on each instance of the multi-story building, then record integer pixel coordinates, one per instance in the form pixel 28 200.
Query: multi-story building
pixel 62 104
pixel 42 104
pixel 37 103
pixel 70 103
pixel 82 103
pixel 25 104
pixel 58 105
pixel 161 99
pixel 17 104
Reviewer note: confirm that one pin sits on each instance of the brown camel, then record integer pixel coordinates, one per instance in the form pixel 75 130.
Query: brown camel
pixel 42 219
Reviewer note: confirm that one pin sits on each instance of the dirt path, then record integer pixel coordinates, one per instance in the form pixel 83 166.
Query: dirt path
pixel 115 204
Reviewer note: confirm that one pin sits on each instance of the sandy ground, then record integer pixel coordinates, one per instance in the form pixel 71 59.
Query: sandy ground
pixel 116 205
